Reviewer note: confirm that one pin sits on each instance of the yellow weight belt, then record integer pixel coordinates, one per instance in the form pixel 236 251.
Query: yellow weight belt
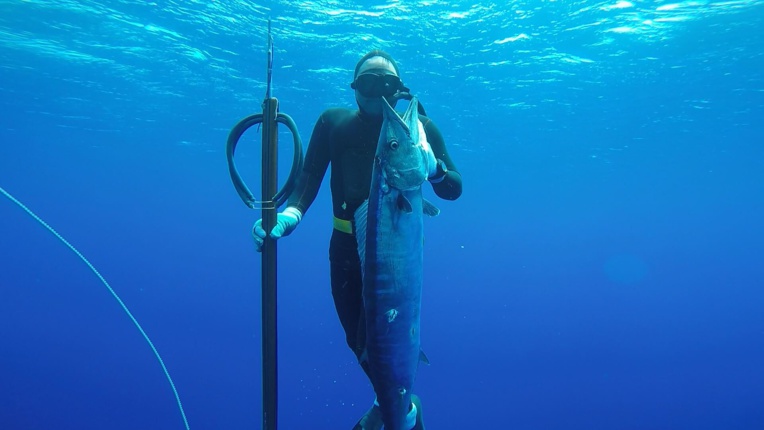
pixel 343 225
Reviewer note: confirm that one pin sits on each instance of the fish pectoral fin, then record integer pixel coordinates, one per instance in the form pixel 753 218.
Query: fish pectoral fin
pixel 423 358
pixel 429 209
pixel 404 204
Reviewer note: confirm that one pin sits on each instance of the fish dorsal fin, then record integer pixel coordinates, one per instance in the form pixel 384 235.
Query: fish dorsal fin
pixel 404 204
pixel 389 114
pixel 429 209
pixel 411 116
pixel 361 215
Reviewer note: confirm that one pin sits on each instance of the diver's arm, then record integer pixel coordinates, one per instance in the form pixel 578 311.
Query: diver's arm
pixel 314 168
pixel 447 185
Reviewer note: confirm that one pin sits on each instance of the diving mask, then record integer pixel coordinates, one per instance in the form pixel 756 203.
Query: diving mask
pixel 374 85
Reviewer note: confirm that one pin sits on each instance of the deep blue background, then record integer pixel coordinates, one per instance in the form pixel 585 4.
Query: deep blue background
pixel 603 269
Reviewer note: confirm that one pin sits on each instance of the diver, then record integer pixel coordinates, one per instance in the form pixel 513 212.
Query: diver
pixel 347 139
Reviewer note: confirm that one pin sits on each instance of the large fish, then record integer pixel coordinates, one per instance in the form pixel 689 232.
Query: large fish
pixel 390 243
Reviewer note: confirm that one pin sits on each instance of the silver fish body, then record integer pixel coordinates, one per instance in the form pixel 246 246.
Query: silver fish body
pixel 389 229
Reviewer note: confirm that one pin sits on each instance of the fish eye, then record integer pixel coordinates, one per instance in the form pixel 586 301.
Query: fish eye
pixel 394 144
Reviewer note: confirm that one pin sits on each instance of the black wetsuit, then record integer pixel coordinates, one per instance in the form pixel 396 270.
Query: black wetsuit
pixel 348 140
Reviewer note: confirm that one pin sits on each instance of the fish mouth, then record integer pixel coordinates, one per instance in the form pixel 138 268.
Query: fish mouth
pixel 411 172
pixel 408 170
pixel 413 187
pixel 405 179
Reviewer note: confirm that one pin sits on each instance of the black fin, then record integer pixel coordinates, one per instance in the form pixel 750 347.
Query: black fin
pixel 404 204
pixel 423 358
pixel 429 209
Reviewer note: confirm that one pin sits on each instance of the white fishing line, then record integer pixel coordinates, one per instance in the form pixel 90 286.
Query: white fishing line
pixel 113 293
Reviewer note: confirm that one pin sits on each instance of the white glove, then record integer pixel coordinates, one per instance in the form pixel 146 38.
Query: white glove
pixel 286 222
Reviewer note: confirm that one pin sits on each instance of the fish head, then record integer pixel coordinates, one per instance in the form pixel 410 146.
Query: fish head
pixel 400 152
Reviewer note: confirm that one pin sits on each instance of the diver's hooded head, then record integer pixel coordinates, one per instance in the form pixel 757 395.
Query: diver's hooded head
pixel 376 76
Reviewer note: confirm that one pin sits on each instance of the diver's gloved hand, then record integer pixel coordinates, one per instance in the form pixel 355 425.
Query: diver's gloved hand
pixel 416 404
pixel 286 222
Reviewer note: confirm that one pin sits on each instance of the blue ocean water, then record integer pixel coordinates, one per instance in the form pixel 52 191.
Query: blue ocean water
pixel 603 269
